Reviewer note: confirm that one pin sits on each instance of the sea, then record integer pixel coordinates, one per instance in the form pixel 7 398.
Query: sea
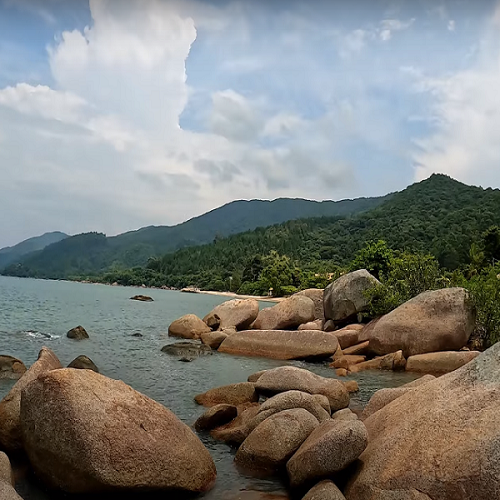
pixel 37 313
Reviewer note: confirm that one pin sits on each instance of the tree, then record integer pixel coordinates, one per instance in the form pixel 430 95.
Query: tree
pixel 491 244
pixel 277 273
pixel 375 257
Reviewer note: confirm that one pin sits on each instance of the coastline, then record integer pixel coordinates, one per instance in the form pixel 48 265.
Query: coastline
pixel 237 296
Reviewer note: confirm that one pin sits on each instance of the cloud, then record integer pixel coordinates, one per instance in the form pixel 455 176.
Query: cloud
pixel 388 26
pixel 451 25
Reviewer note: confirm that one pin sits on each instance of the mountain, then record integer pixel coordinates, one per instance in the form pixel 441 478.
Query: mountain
pixel 93 253
pixel 14 253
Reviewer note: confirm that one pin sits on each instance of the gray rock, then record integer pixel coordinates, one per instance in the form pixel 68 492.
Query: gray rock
pixel 83 363
pixel 187 349
pixel 77 333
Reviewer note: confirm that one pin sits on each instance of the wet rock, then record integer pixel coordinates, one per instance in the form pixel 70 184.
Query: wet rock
pixel 11 368
pixel 215 417
pixel 233 394
pixel 439 362
pixel 10 425
pixel 83 363
pixel 330 448
pixel 188 326
pixel 77 333
pixel 238 314
pixel 137 334
pixel 102 435
pixel 281 344
pixel 189 350
pixel 288 314
pixel 142 298
pixel 213 339
pixel 325 490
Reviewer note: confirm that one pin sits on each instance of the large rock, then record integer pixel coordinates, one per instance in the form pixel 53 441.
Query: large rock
pixel 6 475
pixel 316 295
pixel 330 448
pixel 346 338
pixel 7 492
pixel 439 362
pixel 213 339
pixel 281 344
pixel 296 399
pixel 10 425
pixel 312 325
pixel 77 333
pixel 325 490
pixel 188 326
pixel 83 363
pixel 238 313
pixel 11 368
pixel 215 417
pixel 187 349
pixel 271 444
pixel 440 320
pixel 233 394
pixel 290 378
pixel 441 439
pixel 236 431
pixel 86 433
pixel 361 349
pixel 393 361
pixel 287 314
pixel 345 297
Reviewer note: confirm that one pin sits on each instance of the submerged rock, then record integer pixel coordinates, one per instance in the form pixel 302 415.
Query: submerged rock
pixel 83 363
pixel 11 368
pixel 215 417
pixel 233 394
pixel 102 435
pixel 190 350
pixel 236 431
pixel 77 333
pixel 142 298
pixel 188 326
pixel 285 315
pixel 237 313
pixel 10 425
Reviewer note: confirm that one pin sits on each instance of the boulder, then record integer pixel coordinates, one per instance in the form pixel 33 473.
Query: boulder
pixel 329 326
pixel 351 386
pixel 345 297
pixel 281 344
pixel 11 368
pixel 238 313
pixel 6 475
pixel 394 361
pixel 354 326
pixel 440 320
pixel 285 315
pixel 347 361
pixel 361 349
pixel 325 490
pixel 215 417
pixel 316 295
pixel 77 333
pixel 255 376
pixel 83 363
pixel 441 439
pixel 345 414
pixel 296 399
pixel 439 362
pixel 213 339
pixel 87 433
pixel 346 338
pixel 142 298
pixel 236 431
pixel 10 425
pixel 312 325
pixel 290 378
pixel 7 492
pixel 188 326
pixel 271 444
pixel 187 349
pixel 341 372
pixel 323 401
pixel 331 447
pixel 233 394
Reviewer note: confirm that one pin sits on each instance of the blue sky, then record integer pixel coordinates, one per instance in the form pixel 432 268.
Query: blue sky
pixel 120 114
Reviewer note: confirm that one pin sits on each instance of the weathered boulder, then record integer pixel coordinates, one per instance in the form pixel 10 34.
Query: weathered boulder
pixel 346 338
pixel 290 378
pixel 233 394
pixel 441 439
pixel 142 298
pixel 83 363
pixel 77 333
pixel 188 326
pixel 287 314
pixel 238 313
pixel 84 433
pixel 351 386
pixel 439 362
pixel 7 492
pixel 271 444
pixel 236 431
pixel 255 376
pixel 325 490
pixel 11 368
pixel 215 417
pixel 341 372
pixel 361 349
pixel 281 344
pixel 296 399
pixel 316 295
pixel 6 475
pixel 345 297
pixel 323 401
pixel 312 325
pixel 345 414
pixel 393 361
pixel 347 361
pixel 213 339
pixel 440 320
pixel 187 349
pixel 330 448
pixel 10 425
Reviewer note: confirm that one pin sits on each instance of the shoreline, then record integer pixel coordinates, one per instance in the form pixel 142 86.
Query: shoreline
pixel 237 296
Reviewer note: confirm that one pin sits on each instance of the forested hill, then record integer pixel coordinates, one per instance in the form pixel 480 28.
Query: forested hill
pixel 439 215
pixel 93 253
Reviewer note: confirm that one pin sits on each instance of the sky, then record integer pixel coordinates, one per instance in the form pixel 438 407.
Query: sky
pixel 119 114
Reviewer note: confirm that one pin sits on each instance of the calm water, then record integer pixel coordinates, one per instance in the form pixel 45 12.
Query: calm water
pixel 34 313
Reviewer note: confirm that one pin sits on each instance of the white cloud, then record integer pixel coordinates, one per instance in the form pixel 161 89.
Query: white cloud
pixel 388 26
pixel 353 42
pixel 451 25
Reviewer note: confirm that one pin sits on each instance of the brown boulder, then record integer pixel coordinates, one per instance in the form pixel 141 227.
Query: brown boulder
pixel 10 425
pixel 290 378
pixel 440 320
pixel 142 298
pixel 347 361
pixel 316 295
pixel 213 339
pixel 394 361
pixel 188 326
pixel 237 313
pixel 6 475
pixel 330 448
pixel 7 492
pixel 312 325
pixel 325 490
pixel 11 368
pixel 84 433
pixel 346 338
pixel 439 362
pixel 255 376
pixel 215 417
pixel 77 333
pixel 285 315
pixel 236 431
pixel 83 363
pixel 271 444
pixel 233 394
pixel 323 401
pixel 351 386
pixel 362 349
pixel 345 297
pixel 341 372
pixel 345 414
pixel 187 349
pixel 440 439
pixel 281 344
